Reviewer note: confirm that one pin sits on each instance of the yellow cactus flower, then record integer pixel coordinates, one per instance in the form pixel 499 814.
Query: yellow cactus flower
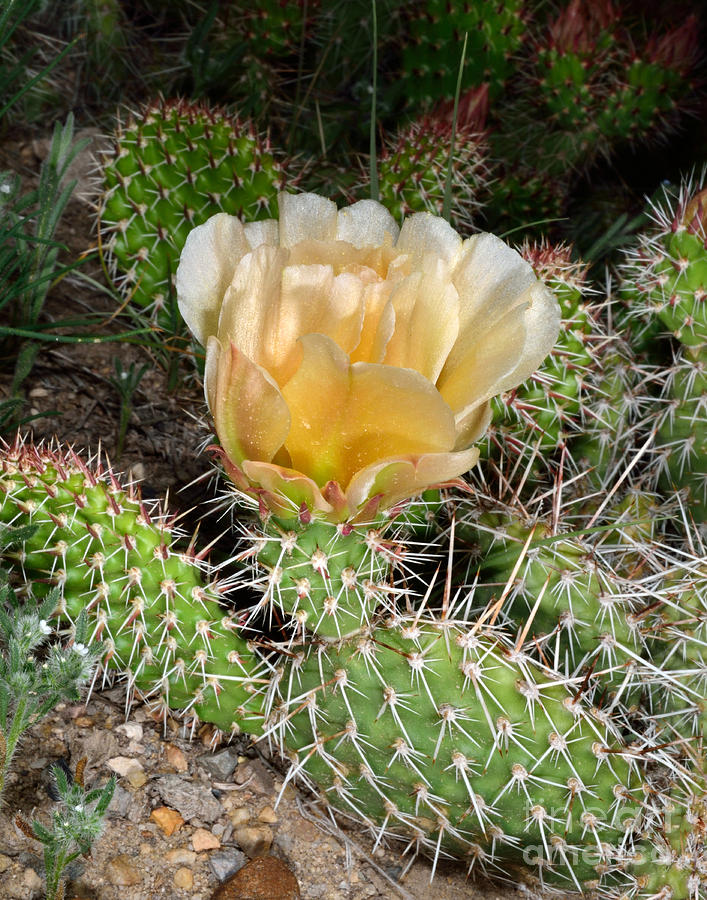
pixel 349 362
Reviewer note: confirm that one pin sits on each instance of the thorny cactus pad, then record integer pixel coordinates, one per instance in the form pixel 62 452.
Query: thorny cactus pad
pixel 173 165
pixel 155 607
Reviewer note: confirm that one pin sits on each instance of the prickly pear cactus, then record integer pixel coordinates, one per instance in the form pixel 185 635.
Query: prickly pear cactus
pixel 412 167
pixel 173 166
pixel 664 277
pixel 437 28
pixel 155 608
pixel 441 735
pixel 330 579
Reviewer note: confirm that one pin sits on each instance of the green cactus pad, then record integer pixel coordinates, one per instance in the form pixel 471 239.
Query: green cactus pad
pixel 155 608
pixel 173 166
pixel 444 737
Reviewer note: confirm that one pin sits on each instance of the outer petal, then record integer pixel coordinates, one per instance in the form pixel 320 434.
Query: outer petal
pixel 345 417
pixel 491 278
pixel 502 355
pixel 286 490
pixel 306 217
pixel 366 224
pixel 426 308
pixel 396 479
pixel 209 258
pixel 251 417
pixel 266 231
pixel 423 233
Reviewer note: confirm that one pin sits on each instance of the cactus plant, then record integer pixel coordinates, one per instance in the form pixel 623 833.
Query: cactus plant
pixel 173 165
pixel 155 607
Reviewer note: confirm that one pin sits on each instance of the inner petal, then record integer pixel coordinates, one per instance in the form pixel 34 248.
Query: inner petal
pixel 345 417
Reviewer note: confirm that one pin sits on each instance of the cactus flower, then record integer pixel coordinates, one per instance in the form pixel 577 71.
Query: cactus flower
pixel 349 362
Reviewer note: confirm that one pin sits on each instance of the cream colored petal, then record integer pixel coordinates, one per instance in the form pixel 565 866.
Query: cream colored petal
pixel 396 479
pixel 423 233
pixel 426 308
pixel 503 355
pixel 491 278
pixel 206 266
pixel 346 417
pixel 251 307
pixel 306 217
pixel 267 231
pixel 473 425
pixel 250 414
pixel 366 224
pixel 211 367
pixel 378 323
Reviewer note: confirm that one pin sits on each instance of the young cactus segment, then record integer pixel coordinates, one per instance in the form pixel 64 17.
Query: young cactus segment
pixel 444 737
pixel 681 441
pixel 561 592
pixel 330 579
pixel 155 608
pixel 413 164
pixel 664 277
pixel 173 166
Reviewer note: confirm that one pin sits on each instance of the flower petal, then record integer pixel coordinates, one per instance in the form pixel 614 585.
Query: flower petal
pixel 251 416
pixel 269 306
pixel 472 425
pixel 306 217
pixel 378 323
pixel 423 233
pixel 209 258
pixel 345 417
pixel 491 279
pixel 366 224
pixel 287 490
pixel 266 231
pixel 426 308
pixel 398 478
pixel 503 354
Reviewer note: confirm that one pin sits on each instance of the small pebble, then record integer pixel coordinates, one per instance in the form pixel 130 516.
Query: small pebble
pixel 31 880
pixel 132 730
pixel 181 856
pixel 221 765
pixel 184 879
pixel 204 840
pixel 175 758
pixel 5 862
pixel 226 862
pixel 264 878
pixel 123 765
pixel 254 840
pixel 168 819
pixel 267 815
pixel 239 815
pixel 120 870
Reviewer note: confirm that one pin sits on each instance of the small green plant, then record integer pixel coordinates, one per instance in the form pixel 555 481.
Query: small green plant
pixel 77 822
pixel 34 678
pixel 126 383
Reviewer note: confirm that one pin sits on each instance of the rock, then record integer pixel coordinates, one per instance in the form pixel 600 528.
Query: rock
pixel 256 776
pixel 268 815
pixel 181 856
pixel 5 862
pixel 254 840
pixel 176 759
pixel 263 878
pixel 119 804
pixel 193 799
pixel 239 816
pixel 124 765
pixel 167 819
pixel 204 840
pixel 32 881
pixel 132 730
pixel 221 765
pixel 184 879
pixel 226 862
pixel 120 870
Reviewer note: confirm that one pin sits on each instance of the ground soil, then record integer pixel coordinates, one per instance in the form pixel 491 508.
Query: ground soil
pixel 70 394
